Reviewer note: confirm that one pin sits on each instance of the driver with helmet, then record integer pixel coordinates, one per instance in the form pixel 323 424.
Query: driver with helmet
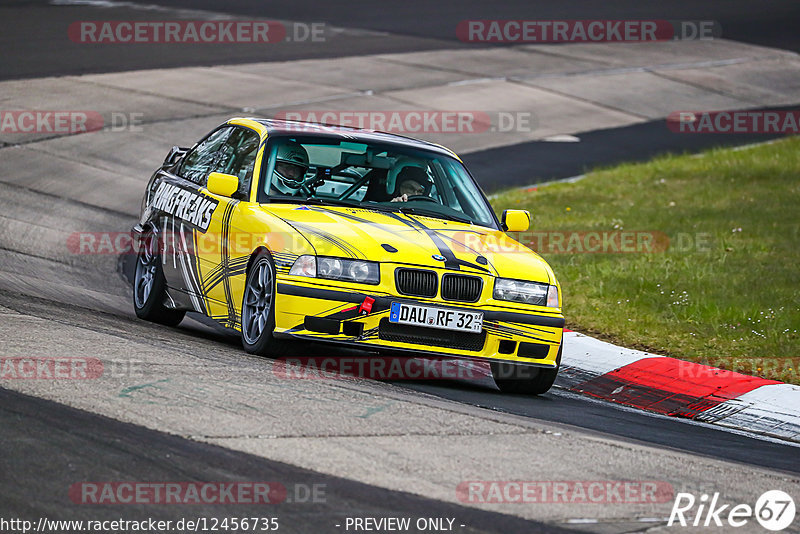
pixel 291 164
pixel 411 182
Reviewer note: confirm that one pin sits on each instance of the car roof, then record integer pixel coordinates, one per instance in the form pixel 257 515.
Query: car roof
pixel 278 127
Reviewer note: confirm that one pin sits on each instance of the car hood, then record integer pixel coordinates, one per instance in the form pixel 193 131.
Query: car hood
pixel 412 239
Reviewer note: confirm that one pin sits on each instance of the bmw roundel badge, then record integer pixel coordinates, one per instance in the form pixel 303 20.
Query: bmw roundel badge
pixel 438 257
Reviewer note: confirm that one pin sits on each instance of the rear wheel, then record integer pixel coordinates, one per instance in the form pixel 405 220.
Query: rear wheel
pixel 149 286
pixel 258 308
pixel 524 379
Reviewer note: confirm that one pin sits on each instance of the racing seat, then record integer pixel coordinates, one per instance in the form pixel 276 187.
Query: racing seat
pixel 376 188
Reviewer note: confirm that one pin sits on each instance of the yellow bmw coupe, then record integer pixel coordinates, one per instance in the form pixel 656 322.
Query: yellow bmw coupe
pixel 280 230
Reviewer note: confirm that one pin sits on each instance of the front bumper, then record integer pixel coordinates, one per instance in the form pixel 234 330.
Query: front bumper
pixel 360 320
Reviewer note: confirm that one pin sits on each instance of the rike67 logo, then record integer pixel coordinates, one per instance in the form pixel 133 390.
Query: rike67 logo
pixel 774 510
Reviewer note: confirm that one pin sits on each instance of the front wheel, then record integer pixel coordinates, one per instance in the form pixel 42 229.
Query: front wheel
pixel 149 287
pixel 258 308
pixel 524 379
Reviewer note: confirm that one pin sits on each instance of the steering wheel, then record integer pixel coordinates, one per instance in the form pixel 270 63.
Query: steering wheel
pixel 309 186
pixel 422 197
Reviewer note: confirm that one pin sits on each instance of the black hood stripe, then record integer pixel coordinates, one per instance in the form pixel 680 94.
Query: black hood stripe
pixel 351 251
pixel 451 261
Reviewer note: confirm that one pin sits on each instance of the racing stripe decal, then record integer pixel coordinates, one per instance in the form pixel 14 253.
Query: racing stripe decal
pixel 382 302
pixel 234 267
pixel 343 245
pixel 189 269
pixel 223 320
pixel 283 261
pixel 367 222
pixel 508 333
pixel 198 274
pixel 367 335
pixel 418 226
pixel 179 263
pixel 226 219
pixel 467 247
pixel 518 331
pixel 451 261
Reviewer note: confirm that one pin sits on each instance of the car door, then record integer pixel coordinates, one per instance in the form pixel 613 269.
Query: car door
pixel 186 215
pixel 222 263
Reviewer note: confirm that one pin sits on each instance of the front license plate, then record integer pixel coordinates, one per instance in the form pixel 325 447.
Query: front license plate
pixel 431 317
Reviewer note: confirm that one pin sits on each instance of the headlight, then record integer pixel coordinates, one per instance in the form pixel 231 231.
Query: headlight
pixel 329 268
pixel 362 272
pixel 526 292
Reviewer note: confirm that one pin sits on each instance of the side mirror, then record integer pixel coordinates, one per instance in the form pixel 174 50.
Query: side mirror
pixel 516 220
pixel 222 184
pixel 174 156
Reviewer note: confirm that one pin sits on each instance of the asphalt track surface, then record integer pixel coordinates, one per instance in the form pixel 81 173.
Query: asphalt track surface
pixel 534 162
pixel 30 28
pixel 563 407
pixel 47 446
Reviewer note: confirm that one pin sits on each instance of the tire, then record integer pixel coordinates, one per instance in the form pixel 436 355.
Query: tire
pixel 149 286
pixel 524 379
pixel 258 308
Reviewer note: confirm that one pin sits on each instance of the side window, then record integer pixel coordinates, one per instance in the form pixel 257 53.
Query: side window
pixel 205 157
pixel 239 157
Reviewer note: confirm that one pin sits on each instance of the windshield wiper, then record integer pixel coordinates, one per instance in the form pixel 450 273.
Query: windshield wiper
pixel 434 214
pixel 331 202
pixel 349 204
pixel 395 207
pixel 315 201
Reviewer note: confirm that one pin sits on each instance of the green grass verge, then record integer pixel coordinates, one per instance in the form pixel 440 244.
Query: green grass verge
pixel 726 291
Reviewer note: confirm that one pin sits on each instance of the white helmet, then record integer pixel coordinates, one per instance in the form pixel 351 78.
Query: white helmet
pixel 291 164
pixel 402 163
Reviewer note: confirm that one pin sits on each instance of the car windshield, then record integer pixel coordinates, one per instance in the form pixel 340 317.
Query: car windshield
pixel 379 176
